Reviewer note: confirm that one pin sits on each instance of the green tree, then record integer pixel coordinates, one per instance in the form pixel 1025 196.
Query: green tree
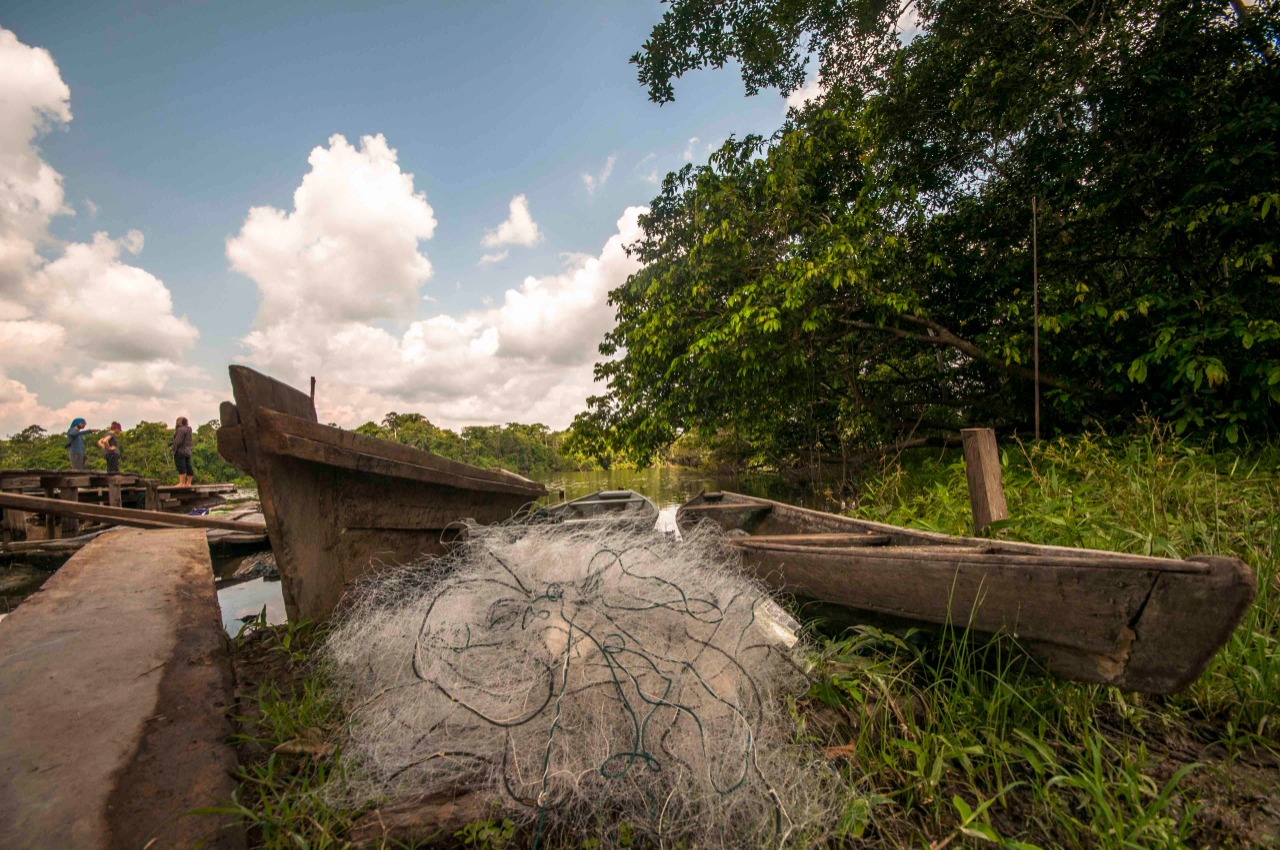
pixel 866 273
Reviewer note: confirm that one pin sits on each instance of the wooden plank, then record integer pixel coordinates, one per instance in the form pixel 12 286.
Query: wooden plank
pixel 982 469
pixel 744 517
pixel 70 522
pixel 232 448
pixel 58 480
pixel 14 526
pixel 121 516
pixel 339 441
pixel 301 448
pixel 788 519
pixel 830 540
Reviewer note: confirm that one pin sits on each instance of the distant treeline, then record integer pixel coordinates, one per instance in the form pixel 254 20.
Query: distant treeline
pixel 534 451
pixel 144 450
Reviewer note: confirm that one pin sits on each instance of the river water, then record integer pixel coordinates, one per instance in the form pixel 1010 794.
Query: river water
pixel 666 487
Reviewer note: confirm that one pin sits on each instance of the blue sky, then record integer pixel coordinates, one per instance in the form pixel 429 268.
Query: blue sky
pixel 184 116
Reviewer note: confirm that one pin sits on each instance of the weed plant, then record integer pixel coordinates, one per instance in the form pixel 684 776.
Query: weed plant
pixel 946 741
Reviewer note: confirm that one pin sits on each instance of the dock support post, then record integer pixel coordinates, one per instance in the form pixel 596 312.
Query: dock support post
pixel 152 502
pixel 982 469
pixel 50 521
pixel 70 525
pixel 113 493
pixel 15 522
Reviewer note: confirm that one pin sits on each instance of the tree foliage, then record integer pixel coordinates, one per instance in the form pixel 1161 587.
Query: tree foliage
pixel 867 272
pixel 532 450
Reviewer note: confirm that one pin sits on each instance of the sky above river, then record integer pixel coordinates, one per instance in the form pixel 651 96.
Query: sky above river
pixel 424 205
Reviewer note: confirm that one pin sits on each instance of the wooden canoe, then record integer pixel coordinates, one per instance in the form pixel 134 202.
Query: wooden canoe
pixel 338 503
pixel 614 507
pixel 1141 623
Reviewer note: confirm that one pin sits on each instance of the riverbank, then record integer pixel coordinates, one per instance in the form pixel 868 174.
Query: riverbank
pixel 943 742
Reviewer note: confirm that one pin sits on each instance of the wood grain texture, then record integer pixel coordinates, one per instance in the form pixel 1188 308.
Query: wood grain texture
pixel 120 516
pixel 339 505
pixel 982 470
pixel 1150 624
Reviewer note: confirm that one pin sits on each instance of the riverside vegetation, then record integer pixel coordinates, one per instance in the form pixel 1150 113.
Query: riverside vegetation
pixel 531 450
pixel 944 741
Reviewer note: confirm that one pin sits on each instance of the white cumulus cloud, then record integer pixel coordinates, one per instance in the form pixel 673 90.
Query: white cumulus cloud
pixel 349 249
pixel 518 229
pixel 77 316
pixel 527 357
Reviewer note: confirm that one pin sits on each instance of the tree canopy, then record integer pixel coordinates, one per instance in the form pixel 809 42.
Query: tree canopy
pixel 866 273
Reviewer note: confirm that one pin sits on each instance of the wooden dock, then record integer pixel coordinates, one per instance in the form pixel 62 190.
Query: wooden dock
pixel 116 490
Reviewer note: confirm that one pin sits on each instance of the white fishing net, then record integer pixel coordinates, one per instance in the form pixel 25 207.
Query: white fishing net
pixel 589 678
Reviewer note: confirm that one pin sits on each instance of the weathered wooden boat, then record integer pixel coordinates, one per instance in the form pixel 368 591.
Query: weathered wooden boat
pixel 338 504
pixel 1142 623
pixel 613 507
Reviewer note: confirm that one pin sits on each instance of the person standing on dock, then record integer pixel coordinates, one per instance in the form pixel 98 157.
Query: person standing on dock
pixel 111 447
pixel 181 447
pixel 75 442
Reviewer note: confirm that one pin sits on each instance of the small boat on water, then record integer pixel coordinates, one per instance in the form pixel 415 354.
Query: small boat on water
pixel 614 507
pixel 338 504
pixel 1141 623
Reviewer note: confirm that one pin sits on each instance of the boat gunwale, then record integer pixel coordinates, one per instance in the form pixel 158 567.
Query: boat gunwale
pixel 935 539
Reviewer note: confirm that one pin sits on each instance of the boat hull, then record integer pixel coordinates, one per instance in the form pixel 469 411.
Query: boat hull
pixel 339 505
pixel 1147 624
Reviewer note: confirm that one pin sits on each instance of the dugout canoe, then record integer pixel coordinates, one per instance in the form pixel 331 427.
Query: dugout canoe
pixel 339 504
pixel 1140 623
pixel 612 507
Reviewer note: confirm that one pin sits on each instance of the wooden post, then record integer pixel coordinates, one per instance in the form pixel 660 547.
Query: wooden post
pixel 70 525
pixel 50 521
pixel 113 493
pixel 152 500
pixel 15 522
pixel 982 468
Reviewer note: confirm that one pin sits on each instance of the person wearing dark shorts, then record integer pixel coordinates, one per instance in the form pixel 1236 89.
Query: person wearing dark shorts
pixel 111 447
pixel 181 447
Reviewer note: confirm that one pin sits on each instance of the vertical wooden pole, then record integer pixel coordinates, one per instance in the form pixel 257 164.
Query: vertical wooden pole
pixel 1035 306
pixel 152 502
pixel 982 468
pixel 113 493
pixel 15 522
pixel 50 521
pixel 70 525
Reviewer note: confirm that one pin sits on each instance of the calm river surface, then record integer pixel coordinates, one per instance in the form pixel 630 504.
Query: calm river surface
pixel 667 487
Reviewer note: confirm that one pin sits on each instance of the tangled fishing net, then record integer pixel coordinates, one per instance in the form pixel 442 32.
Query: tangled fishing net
pixel 587 678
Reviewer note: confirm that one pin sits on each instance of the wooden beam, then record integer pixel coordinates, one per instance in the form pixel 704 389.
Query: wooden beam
pixel 827 540
pixel 982 468
pixel 284 435
pixel 123 516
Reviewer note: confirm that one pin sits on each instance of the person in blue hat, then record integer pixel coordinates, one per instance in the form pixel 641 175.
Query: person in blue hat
pixel 75 443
